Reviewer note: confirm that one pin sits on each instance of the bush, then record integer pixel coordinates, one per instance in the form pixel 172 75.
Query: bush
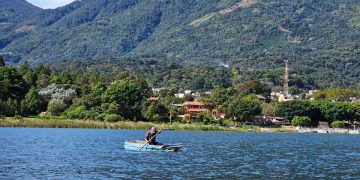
pixel 91 114
pixel 2 116
pixel 221 122
pixel 301 121
pixel 56 108
pixel 100 117
pixel 45 116
pixel 113 118
pixel 18 117
pixel 205 119
pixel 226 122
pixel 338 124
pixel 77 113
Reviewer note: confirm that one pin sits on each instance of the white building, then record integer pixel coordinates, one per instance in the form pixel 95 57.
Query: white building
pixel 180 95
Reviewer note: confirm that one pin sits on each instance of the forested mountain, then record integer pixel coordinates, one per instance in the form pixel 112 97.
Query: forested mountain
pixel 320 38
pixel 12 13
pixel 15 11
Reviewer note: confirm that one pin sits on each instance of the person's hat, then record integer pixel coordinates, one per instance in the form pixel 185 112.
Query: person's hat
pixel 153 130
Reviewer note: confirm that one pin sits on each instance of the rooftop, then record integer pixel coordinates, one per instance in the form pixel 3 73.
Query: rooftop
pixel 193 103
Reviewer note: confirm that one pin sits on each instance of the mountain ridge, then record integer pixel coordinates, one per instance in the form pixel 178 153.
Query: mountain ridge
pixel 315 36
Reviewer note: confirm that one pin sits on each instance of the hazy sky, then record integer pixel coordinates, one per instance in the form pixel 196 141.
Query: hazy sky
pixel 50 4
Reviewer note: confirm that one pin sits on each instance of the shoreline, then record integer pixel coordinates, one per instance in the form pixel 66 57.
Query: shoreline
pixel 34 122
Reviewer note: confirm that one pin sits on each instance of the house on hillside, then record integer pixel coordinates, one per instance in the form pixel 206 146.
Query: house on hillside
pixel 180 95
pixel 158 90
pixel 354 99
pixel 153 98
pixel 188 93
pixel 192 109
pixel 310 94
pixel 281 97
pixel 217 114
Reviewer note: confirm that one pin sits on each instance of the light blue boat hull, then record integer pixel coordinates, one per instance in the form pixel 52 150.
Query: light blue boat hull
pixel 136 145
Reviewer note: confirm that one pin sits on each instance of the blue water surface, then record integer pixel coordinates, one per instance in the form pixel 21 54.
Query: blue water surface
pixel 27 153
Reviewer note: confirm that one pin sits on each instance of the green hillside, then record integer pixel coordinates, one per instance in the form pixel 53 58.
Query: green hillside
pixel 12 13
pixel 320 38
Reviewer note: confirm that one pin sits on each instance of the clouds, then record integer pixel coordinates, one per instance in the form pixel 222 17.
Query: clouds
pixel 50 4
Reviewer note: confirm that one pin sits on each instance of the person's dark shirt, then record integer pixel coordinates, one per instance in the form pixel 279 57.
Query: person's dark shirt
pixel 148 136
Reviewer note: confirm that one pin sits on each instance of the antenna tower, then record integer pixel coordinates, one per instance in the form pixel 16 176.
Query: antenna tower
pixel 286 78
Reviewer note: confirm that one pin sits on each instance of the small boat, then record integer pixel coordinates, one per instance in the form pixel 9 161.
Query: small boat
pixel 137 145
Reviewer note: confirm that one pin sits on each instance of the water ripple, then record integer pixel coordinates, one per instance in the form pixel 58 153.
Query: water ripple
pixel 99 154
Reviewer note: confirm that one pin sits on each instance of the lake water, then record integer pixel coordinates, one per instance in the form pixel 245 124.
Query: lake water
pixel 99 154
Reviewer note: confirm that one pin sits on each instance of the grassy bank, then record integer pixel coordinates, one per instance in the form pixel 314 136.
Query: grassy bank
pixel 67 123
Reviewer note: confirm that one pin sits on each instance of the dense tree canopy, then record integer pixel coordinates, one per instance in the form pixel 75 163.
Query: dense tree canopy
pixel 254 87
pixel 318 38
pixel 155 111
pixel 126 96
pixel 333 111
pixel 12 85
pixel 336 94
pixel 244 109
pixel 118 95
pixel 290 109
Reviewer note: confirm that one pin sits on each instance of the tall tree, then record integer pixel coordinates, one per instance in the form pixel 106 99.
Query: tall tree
pixel 244 109
pixel 332 111
pixel 24 68
pixel 129 95
pixel 43 76
pixel 10 107
pixel 2 63
pixel 32 104
pixel 155 111
pixel 290 109
pixel 12 85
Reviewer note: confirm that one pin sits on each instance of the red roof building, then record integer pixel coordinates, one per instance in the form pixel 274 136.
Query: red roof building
pixel 192 109
pixel 153 98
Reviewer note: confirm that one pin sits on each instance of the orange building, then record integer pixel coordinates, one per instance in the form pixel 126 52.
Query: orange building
pixel 192 109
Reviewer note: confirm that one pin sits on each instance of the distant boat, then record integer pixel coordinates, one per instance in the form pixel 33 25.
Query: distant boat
pixel 137 145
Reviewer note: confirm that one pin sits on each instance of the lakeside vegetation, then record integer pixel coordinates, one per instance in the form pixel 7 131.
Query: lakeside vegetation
pixel 56 122
pixel 122 96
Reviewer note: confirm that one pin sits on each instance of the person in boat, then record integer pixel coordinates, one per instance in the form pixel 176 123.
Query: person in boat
pixel 150 136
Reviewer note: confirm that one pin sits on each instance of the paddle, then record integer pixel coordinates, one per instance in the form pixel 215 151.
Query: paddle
pixel 150 139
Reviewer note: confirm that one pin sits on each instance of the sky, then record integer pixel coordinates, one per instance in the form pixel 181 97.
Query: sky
pixel 49 4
